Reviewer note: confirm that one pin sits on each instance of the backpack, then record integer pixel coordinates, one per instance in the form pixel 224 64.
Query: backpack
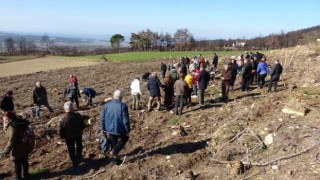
pixel 28 139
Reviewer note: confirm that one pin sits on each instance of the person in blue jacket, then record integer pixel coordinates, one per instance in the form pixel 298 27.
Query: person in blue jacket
pixel 262 72
pixel 114 120
pixel 90 93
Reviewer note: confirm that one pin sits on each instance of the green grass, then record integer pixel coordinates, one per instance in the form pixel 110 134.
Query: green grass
pixel 40 171
pixel 142 56
pixel 173 121
pixel 16 58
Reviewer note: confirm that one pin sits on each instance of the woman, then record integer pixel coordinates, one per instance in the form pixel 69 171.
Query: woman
pixel 195 82
pixel 168 90
pixel 17 145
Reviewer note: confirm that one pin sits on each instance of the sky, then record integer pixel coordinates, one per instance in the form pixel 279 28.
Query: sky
pixel 205 19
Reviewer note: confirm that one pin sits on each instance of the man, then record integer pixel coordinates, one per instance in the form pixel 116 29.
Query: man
pixel 201 61
pixel 275 75
pixel 174 73
pixel 203 80
pixel 73 94
pixel 163 70
pixel 246 75
pixel 254 65
pixel 6 102
pixel 40 98
pixel 233 67
pixel 114 120
pixel 90 94
pixel 189 80
pixel 227 78
pixel 262 72
pixel 136 93
pixel 71 128
pixel 154 86
pixel 180 90
pixel 215 61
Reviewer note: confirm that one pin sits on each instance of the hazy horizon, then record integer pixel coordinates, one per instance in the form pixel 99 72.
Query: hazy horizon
pixel 205 19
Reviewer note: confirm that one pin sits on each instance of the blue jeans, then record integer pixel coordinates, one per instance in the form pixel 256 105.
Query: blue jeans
pixel 195 89
pixel 38 108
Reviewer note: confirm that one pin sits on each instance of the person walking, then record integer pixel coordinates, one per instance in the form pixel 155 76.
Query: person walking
pixel 275 75
pixel 227 78
pixel 262 72
pixel 246 75
pixel 163 70
pixel 154 86
pixel 168 91
pixel 18 145
pixel 233 67
pixel 6 102
pixel 115 123
pixel 189 80
pixel 89 93
pixel 71 129
pixel 136 93
pixel 180 90
pixel 40 98
pixel 203 80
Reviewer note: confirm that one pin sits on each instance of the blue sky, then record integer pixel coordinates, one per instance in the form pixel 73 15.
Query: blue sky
pixel 208 19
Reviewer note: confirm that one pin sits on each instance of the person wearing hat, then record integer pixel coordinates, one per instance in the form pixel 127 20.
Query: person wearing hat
pixel 90 93
pixel 40 98
pixel 71 127
pixel 6 102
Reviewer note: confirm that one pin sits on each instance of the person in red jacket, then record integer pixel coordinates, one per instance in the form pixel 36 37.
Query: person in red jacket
pixel 226 82
pixel 74 80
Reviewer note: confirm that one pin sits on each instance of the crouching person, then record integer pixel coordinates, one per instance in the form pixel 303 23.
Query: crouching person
pixel 71 127
pixel 90 93
pixel 20 144
pixel 115 122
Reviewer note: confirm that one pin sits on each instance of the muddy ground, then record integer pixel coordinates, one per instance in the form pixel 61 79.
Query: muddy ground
pixel 251 128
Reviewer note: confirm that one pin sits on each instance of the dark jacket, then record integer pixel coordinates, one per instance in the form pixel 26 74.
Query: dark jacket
pixel 276 71
pixel 91 93
pixel 73 92
pixel 71 125
pixel 6 103
pixel 203 79
pixel 15 132
pixel 247 70
pixel 40 95
pixel 114 118
pixel 174 74
pixel 228 76
pixel 215 60
pixel 163 67
pixel 154 85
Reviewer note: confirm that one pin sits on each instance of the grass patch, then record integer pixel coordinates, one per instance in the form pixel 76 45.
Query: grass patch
pixel 40 171
pixel 173 121
pixel 17 58
pixel 142 56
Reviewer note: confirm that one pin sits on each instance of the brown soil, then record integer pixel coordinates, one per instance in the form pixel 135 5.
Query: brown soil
pixel 156 150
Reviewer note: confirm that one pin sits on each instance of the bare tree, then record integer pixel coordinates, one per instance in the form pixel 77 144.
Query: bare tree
pixel 45 39
pixel 182 37
pixel 9 43
pixel 22 45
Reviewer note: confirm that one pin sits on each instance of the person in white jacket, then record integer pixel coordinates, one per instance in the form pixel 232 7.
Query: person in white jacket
pixel 136 93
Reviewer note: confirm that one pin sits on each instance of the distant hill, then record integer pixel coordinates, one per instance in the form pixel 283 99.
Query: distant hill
pixel 54 39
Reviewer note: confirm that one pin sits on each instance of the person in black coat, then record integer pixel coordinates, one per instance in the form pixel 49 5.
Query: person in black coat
pixel 215 61
pixel 233 66
pixel 163 70
pixel 154 86
pixel 275 75
pixel 203 80
pixel 246 75
pixel 40 98
pixel 73 94
pixel 6 102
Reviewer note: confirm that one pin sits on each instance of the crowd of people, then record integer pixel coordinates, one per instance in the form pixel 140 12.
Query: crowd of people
pixel 181 82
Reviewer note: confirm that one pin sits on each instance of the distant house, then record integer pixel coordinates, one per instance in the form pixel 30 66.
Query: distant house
pixel 239 44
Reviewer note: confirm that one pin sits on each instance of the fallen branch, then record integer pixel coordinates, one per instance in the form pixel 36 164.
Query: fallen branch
pixel 97 173
pixel 283 157
pixel 124 159
pixel 233 139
